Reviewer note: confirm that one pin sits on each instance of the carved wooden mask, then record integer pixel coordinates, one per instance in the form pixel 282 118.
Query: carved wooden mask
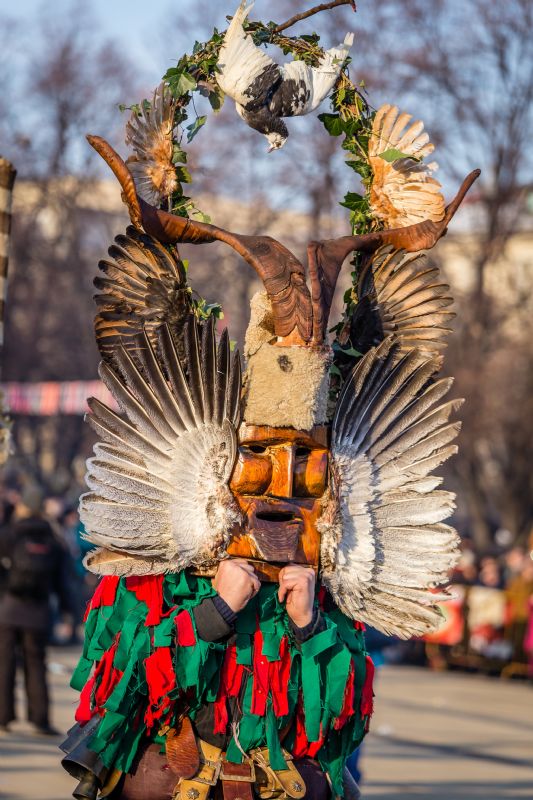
pixel 279 480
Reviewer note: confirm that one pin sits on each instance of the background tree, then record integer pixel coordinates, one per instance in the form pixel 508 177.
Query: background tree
pixel 474 93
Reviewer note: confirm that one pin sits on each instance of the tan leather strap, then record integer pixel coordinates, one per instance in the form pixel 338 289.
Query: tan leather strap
pixel 286 782
pixel 237 780
pixel 210 764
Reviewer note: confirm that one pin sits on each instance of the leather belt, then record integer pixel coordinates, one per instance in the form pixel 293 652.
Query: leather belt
pixel 238 779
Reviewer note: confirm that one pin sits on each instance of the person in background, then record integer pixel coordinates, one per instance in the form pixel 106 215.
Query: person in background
pixel 514 561
pixel 519 594
pixel 33 567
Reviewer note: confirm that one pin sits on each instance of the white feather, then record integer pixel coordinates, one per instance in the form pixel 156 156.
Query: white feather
pixel 240 62
pixel 388 548
pixel 159 489
pixel 319 80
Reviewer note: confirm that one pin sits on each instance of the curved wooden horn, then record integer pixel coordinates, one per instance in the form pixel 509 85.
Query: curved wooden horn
pixel 325 258
pixel 282 274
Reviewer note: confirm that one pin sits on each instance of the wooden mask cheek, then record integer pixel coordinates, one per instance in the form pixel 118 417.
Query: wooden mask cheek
pixel 252 474
pixel 311 474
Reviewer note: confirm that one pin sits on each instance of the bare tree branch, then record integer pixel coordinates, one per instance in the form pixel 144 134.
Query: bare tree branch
pixel 312 11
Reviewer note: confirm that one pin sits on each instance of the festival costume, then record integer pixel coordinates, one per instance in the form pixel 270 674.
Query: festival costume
pixel 316 456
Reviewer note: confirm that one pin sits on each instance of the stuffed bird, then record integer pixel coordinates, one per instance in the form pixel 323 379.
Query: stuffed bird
pixel 264 91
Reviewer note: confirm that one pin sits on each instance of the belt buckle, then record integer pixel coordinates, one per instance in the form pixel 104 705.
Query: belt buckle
pixel 216 766
pixel 241 778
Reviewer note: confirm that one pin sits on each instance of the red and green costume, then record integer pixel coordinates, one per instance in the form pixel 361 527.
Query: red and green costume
pixel 143 662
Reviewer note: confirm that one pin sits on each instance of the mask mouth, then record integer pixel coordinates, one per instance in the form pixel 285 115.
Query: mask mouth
pixel 277 517
pixel 275 529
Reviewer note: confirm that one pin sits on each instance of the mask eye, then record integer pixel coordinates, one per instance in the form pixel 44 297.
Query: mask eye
pixel 310 473
pixel 257 449
pixel 252 473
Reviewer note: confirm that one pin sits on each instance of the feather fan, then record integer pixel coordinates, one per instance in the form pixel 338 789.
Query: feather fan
pixel 401 296
pixel 149 134
pixel 386 547
pixel 159 498
pixel 403 191
pixel 144 287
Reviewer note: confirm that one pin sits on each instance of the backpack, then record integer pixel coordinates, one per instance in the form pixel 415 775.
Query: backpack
pixel 34 560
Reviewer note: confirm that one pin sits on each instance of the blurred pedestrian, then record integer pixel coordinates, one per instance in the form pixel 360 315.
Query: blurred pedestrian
pixel 33 567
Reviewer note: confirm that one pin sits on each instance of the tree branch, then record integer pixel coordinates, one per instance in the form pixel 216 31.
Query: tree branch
pixel 312 11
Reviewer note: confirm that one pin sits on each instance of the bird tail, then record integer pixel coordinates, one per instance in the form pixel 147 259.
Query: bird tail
pixel 235 26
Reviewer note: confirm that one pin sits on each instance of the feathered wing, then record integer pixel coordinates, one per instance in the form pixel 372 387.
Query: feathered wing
pixel 403 191
pixel 305 87
pixel 402 296
pixel 159 498
pixel 387 547
pixel 241 62
pixel 149 134
pixel 144 287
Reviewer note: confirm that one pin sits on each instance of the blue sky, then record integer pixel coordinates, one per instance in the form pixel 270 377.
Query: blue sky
pixel 135 26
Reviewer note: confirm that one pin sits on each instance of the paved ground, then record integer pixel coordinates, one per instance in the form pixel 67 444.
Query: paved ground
pixel 440 736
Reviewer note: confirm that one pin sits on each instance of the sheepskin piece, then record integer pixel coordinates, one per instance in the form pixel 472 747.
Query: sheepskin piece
pixel 284 387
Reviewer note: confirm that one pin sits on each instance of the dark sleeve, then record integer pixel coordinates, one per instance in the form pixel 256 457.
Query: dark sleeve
pixel 6 554
pixel 63 581
pixel 214 619
pixel 317 625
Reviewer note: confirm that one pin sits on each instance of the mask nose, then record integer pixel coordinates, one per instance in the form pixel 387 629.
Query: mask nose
pixel 282 472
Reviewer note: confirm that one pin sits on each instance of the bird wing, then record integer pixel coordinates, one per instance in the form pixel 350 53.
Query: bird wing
pixel 159 477
pixel 403 191
pixel 149 134
pixel 246 73
pixel 402 296
pixel 144 286
pixel 304 87
pixel 384 548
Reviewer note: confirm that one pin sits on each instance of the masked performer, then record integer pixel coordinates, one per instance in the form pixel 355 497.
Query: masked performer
pixel 248 526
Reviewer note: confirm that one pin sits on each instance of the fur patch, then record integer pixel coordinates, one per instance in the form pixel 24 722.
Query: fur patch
pixel 285 387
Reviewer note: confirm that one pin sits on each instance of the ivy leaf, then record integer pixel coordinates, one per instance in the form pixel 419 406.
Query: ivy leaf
pixel 346 351
pixel 216 99
pixel 183 175
pixel 332 123
pixel 193 129
pixel 179 156
pixel 393 154
pixel 200 216
pixel 180 82
pixel 353 201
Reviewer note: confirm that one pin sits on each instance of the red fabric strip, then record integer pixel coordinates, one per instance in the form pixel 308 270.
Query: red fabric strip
pixel 301 742
pixel 359 626
pixel 108 674
pixel 161 680
pixel 367 695
pixel 348 705
pixel 185 629
pixel 278 676
pixel 230 686
pixel 104 594
pixel 149 589
pixel 302 746
pixel 105 677
pixel 84 712
pixel 261 684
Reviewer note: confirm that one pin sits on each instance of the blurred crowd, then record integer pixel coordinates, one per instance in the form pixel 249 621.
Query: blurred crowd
pixel 488 621
pixel 70 597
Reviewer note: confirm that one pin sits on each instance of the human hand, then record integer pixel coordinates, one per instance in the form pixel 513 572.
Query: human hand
pixel 236 583
pixel 297 588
